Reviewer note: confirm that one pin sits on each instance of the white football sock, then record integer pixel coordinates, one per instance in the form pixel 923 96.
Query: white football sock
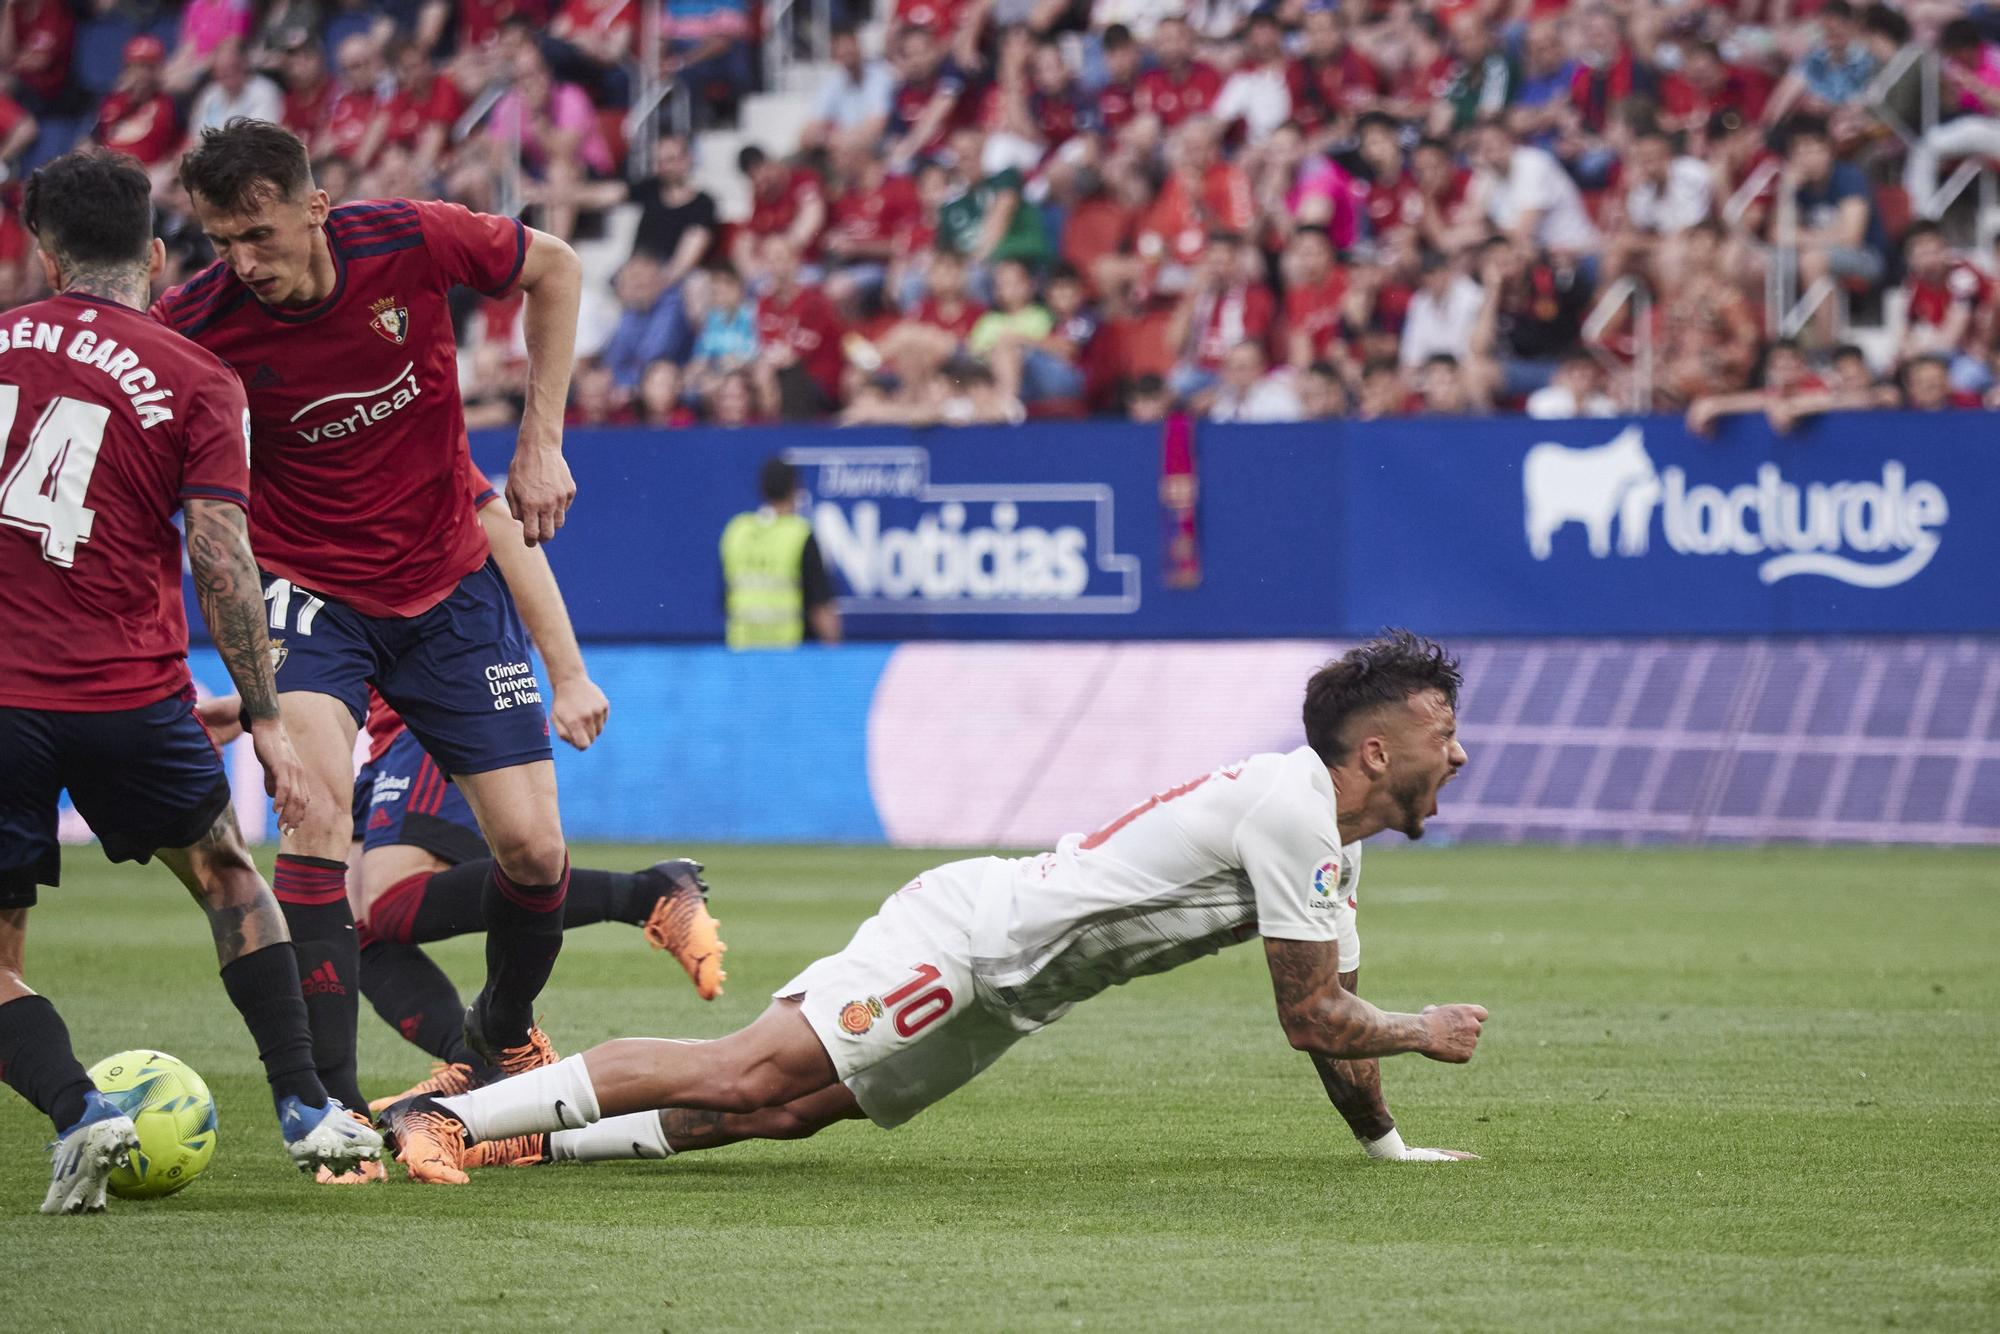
pixel 555 1097
pixel 614 1139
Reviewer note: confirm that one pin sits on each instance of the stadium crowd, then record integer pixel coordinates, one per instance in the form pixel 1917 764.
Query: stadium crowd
pixel 1322 208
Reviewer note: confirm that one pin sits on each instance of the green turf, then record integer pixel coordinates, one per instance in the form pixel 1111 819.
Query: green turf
pixel 1721 1089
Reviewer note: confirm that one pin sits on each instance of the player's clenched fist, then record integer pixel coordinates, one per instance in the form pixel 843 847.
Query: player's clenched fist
pixel 539 490
pixel 1454 1031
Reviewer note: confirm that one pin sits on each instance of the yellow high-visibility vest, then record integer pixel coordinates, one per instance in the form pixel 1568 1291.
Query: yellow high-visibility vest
pixel 765 593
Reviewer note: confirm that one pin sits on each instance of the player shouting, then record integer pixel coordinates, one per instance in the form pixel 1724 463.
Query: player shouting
pixel 108 424
pixel 375 567
pixel 966 960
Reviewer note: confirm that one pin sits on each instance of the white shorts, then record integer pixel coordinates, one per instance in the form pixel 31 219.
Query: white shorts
pixel 895 1009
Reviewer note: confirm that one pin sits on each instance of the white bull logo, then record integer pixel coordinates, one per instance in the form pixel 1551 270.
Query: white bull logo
pixel 1591 487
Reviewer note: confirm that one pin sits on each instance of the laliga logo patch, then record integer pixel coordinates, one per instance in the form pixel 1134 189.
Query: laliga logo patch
pixel 857 1017
pixel 391 320
pixel 1326 877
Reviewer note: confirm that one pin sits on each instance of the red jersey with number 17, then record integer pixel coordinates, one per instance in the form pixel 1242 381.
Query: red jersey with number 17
pixel 357 429
pixel 108 425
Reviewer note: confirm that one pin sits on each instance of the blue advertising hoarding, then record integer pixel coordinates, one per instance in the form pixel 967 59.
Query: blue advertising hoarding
pixel 1884 522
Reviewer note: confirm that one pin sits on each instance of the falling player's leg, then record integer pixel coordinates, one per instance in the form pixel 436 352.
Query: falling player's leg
pixel 650 1135
pixel 892 1016
pixel 775 1060
pixel 311 883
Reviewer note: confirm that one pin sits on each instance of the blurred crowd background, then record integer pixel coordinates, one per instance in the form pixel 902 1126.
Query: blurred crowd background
pixel 985 210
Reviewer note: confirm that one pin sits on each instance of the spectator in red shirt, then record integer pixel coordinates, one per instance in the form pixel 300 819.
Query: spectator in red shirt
pixel 1927 386
pixel 946 305
pixel 785 201
pixel 1704 85
pixel 1315 291
pixel 1223 306
pixel 1179 86
pixel 355 123
pixel 1203 194
pixel 138 118
pixel 420 114
pixel 927 104
pixel 1390 196
pixel 1949 308
pixel 36 39
pixel 798 339
pixel 309 92
pixel 1118 96
pixel 1331 81
pixel 868 210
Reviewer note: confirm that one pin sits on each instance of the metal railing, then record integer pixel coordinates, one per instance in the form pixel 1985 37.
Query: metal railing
pixel 508 196
pixel 782 44
pixel 1626 292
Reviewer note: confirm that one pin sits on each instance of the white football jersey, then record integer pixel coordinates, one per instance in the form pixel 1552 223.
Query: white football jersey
pixel 1252 849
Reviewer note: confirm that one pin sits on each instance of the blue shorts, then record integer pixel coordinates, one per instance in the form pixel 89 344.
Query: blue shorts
pixel 145 779
pixel 459 673
pixel 405 800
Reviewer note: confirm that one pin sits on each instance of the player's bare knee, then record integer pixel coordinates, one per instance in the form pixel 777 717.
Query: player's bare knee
pixel 532 858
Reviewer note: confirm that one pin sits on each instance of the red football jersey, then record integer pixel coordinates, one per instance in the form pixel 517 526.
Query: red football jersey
pixel 773 215
pixel 1117 103
pixel 1172 99
pixel 347 123
pixel 148 129
pixel 1315 311
pixel 1931 303
pixel 359 432
pixel 107 424
pixel 881 214
pixel 409 114
pixel 306 111
pixel 808 324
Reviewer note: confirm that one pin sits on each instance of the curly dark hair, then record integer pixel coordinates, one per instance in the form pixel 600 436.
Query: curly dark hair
pixel 1386 670
pixel 90 208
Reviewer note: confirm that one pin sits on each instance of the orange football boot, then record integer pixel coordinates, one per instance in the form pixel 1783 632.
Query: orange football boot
pixel 679 924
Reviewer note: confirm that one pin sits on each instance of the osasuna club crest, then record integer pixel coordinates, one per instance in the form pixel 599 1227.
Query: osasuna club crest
pixel 391 320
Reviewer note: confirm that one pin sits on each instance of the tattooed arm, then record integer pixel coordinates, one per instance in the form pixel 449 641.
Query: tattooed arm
pixel 1355 1086
pixel 1321 1016
pixel 232 602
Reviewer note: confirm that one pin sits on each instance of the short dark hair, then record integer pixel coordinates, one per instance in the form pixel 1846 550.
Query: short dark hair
pixel 1886 22
pixel 1847 351
pixel 1386 670
pixel 777 480
pixel 1444 359
pixel 90 208
pixel 1378 120
pixel 1117 37
pixel 236 166
pixel 1837 9
pixel 1805 127
pixel 1922 227
pixel 1959 35
pixel 750 158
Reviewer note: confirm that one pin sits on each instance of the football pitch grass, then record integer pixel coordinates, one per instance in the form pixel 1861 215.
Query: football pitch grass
pixel 1720 1090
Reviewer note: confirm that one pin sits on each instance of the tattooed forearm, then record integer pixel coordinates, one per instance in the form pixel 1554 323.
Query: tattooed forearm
pixel 688 1128
pixel 1319 1015
pixel 1355 1087
pixel 232 601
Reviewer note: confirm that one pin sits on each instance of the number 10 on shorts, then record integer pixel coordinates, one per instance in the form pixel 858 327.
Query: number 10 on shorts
pixel 917 1004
